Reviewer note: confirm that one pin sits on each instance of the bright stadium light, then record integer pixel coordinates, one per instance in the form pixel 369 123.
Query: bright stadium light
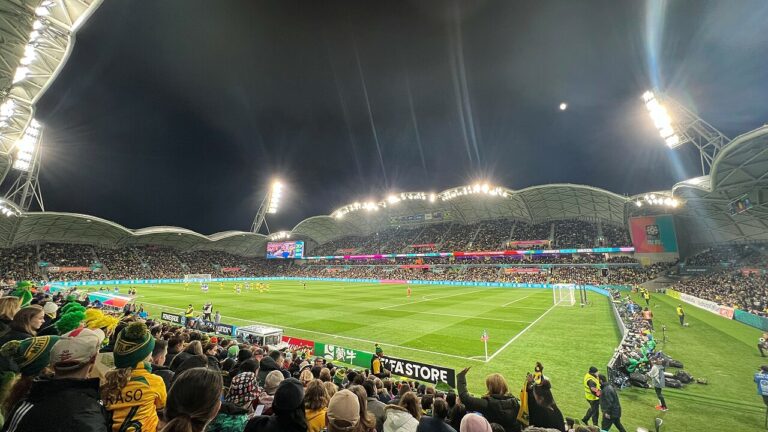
pixel 661 119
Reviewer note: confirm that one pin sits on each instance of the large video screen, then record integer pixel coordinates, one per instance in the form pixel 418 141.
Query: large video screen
pixel 653 234
pixel 285 250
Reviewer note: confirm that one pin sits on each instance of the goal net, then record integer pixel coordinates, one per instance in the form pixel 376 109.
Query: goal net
pixel 564 294
pixel 201 277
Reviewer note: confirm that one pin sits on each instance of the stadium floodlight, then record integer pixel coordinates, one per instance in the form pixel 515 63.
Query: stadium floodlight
pixel 392 199
pixel 270 205
pixel 678 126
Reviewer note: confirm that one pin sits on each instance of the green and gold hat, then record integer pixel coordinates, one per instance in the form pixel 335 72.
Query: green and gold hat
pixel 31 355
pixel 133 344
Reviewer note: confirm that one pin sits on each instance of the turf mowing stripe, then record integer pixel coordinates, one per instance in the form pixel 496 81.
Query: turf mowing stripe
pixel 522 332
pixel 328 334
pixel 436 298
pixel 471 317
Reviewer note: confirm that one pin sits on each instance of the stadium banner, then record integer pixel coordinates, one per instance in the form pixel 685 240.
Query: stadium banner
pixel 701 303
pixel 528 243
pixel 415 266
pixel 751 271
pixel 344 355
pixel 57 269
pixel 230 269
pixel 299 344
pixel 727 312
pixel 285 250
pixel 420 217
pixel 347 251
pixel 420 371
pixel 107 299
pixel 423 245
pixel 749 319
pixel 672 293
pixel 172 318
pixel 653 234
pixel 510 270
pixel 225 329
pixel 521 252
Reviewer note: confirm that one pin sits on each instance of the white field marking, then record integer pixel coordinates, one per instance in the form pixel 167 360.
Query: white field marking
pixel 522 332
pixel 517 300
pixel 470 317
pixel 421 301
pixel 328 334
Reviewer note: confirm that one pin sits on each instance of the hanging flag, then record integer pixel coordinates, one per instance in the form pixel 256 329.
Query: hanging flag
pixel 484 337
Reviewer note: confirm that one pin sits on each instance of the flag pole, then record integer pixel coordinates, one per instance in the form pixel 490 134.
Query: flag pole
pixel 486 349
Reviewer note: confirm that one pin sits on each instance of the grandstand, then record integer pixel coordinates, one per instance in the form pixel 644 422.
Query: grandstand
pixel 479 258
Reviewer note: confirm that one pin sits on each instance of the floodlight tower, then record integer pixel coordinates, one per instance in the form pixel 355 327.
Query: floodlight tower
pixel 26 188
pixel 269 205
pixel 678 126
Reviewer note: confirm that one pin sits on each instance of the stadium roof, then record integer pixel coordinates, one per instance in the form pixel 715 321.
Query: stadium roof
pixel 469 204
pixel 740 170
pixel 36 37
pixel 53 227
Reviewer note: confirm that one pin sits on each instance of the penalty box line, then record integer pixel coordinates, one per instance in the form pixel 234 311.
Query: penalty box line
pixel 330 335
pixel 522 332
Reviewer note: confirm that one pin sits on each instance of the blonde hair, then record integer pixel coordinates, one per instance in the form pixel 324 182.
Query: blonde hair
pixel 315 396
pixel 330 388
pixel 496 385
pixel 306 377
pixel 114 381
pixel 9 306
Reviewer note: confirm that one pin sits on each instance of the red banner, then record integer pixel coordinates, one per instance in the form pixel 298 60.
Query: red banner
pixel 68 269
pixel 423 245
pixel 522 270
pixel 414 266
pixel 230 269
pixel 750 271
pixel 525 243
pixel 726 312
pixel 299 344
pixel 346 251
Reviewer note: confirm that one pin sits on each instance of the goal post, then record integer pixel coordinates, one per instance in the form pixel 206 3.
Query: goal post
pixel 197 277
pixel 563 294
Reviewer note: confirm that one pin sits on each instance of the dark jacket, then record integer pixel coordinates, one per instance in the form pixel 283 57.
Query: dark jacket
pixel 267 365
pixel 609 401
pixel 179 359
pixel 165 373
pixel 60 405
pixel 14 335
pixel 433 424
pixel 544 417
pixel 496 409
pixel 273 424
pixel 169 357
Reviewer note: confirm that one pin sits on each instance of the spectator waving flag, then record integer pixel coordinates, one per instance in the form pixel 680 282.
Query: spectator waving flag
pixel 484 337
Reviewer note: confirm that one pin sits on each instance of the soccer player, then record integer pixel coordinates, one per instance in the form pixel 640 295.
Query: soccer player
pixel 305 284
pixel 409 292
pixel 237 289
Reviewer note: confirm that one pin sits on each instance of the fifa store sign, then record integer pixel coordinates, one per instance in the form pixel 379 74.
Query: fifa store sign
pixel 420 371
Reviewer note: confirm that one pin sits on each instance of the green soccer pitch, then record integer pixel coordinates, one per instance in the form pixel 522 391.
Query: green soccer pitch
pixel 443 324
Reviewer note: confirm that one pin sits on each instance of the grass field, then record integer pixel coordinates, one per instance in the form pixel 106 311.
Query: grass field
pixel 443 324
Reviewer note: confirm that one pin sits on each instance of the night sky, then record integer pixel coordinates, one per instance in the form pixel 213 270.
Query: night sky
pixel 179 112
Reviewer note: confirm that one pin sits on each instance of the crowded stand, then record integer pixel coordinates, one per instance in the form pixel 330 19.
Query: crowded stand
pixel 614 236
pixel 575 233
pixel 525 231
pixel 740 290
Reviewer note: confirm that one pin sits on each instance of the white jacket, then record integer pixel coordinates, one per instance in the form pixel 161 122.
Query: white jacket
pixel 399 420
